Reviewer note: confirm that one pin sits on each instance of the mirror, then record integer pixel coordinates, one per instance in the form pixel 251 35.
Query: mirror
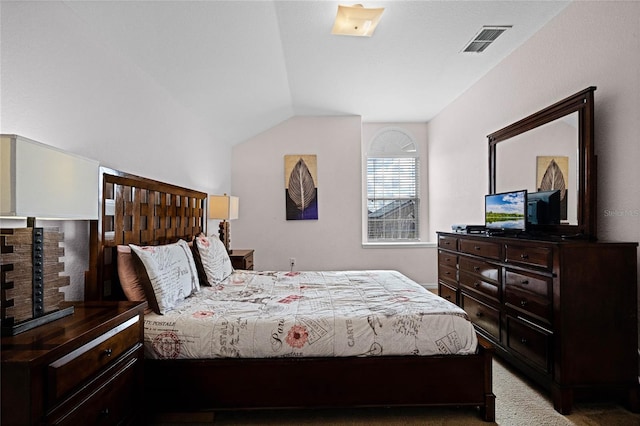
pixel 551 149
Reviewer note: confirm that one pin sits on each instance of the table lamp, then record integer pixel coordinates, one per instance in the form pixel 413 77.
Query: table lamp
pixel 224 207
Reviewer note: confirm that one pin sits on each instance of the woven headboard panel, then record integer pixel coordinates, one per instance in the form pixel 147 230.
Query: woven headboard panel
pixel 137 210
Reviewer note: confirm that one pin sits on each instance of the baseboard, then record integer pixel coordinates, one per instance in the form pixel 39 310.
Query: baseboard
pixel 430 286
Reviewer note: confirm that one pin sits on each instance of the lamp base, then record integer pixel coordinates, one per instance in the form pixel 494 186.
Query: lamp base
pixel 223 231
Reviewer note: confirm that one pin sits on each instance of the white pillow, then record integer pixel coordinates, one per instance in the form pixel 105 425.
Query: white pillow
pixel 214 257
pixel 172 274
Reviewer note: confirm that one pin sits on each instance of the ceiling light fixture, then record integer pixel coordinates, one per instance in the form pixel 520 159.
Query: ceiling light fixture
pixel 356 20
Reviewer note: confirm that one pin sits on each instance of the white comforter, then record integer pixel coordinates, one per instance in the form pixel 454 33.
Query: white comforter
pixel 310 314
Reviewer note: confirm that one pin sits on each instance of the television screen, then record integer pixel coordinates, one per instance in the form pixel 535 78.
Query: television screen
pixel 543 207
pixel 506 211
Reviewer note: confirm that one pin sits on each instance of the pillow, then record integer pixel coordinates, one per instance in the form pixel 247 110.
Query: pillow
pixel 172 274
pixel 213 257
pixel 131 276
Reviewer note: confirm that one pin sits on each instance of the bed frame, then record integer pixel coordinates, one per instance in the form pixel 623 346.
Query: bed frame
pixel 147 212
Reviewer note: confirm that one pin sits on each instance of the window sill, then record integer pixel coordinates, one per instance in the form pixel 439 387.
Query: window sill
pixel 389 244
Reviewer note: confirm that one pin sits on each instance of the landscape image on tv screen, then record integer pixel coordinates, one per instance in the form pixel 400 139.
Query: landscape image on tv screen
pixel 507 210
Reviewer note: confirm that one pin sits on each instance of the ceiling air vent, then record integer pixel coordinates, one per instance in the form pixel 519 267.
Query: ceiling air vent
pixel 484 37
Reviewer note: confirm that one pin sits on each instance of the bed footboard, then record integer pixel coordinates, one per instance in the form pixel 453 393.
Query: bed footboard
pixel 236 384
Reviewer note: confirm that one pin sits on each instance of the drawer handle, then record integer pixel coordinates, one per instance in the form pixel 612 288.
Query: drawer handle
pixel 476 268
pixel 524 256
pixel 524 341
pixel 476 284
pixel 447 273
pixel 523 303
pixel 478 314
pixel 446 243
pixel 524 282
pixel 104 412
pixel 448 297
pixel 107 352
pixel 477 247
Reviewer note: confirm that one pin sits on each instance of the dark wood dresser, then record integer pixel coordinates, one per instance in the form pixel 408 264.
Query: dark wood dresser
pixel 562 312
pixel 85 368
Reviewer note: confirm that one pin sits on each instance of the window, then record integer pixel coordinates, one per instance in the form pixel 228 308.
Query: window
pixel 392 188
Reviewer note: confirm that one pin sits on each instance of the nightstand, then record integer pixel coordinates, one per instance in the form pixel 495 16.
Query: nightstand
pixel 242 259
pixel 85 368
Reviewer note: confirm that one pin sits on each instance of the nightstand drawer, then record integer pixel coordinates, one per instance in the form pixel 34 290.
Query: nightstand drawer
pixel 78 366
pixel 110 403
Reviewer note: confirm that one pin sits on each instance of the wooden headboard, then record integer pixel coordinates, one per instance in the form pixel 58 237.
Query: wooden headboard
pixel 137 210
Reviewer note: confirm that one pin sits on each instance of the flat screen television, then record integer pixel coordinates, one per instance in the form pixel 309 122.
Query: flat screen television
pixel 543 207
pixel 506 211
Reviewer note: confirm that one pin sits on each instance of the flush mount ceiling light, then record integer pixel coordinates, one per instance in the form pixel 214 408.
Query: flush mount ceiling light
pixel 356 20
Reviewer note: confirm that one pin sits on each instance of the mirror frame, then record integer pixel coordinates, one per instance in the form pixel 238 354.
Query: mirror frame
pixel 581 102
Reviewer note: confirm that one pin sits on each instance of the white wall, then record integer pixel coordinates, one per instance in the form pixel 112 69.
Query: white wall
pixel 588 44
pixel 334 240
pixel 62 86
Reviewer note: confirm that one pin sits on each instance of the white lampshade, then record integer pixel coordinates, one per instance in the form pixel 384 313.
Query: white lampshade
pixel 223 207
pixel 37 180
pixel 356 20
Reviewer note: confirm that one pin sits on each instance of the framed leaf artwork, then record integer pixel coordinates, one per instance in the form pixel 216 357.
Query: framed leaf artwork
pixel 301 187
pixel 552 172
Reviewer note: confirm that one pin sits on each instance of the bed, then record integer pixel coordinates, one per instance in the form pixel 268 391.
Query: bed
pixel 310 372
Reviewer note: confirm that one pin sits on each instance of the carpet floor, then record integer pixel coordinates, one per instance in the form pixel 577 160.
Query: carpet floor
pixel 518 403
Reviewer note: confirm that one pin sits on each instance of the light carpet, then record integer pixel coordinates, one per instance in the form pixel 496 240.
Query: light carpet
pixel 518 403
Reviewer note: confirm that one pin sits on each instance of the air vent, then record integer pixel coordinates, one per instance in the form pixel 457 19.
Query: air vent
pixel 484 37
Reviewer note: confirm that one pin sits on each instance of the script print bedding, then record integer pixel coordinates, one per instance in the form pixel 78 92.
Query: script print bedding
pixel 310 314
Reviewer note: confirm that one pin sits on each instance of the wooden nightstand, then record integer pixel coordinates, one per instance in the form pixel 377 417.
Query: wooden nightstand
pixel 85 368
pixel 242 259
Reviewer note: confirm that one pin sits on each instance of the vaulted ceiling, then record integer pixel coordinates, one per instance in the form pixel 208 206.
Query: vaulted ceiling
pixel 241 67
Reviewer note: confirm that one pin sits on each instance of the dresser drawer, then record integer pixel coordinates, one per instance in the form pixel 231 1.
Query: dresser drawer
pixel 486 270
pixel 108 404
pixel 536 284
pixel 481 248
pixel 529 303
pixel 529 255
pixel 482 315
pixel 532 343
pixel 448 274
pixel 446 242
pixel 447 259
pixel 481 286
pixel 80 365
pixel 447 293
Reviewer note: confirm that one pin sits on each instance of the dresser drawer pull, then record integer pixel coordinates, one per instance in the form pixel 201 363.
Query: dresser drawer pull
pixel 476 284
pixel 479 314
pixel 107 352
pixel 446 243
pixel 476 268
pixel 448 297
pixel 524 341
pixel 524 256
pixel 104 412
pixel 524 282
pixel 523 303
pixel 477 247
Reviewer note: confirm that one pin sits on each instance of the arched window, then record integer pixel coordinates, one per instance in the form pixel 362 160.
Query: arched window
pixel 393 194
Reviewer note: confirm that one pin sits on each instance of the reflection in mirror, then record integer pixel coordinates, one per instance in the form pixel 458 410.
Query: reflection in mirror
pixel 542 159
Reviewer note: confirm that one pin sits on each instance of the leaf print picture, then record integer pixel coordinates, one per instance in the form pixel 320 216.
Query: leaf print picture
pixel 552 173
pixel 301 187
